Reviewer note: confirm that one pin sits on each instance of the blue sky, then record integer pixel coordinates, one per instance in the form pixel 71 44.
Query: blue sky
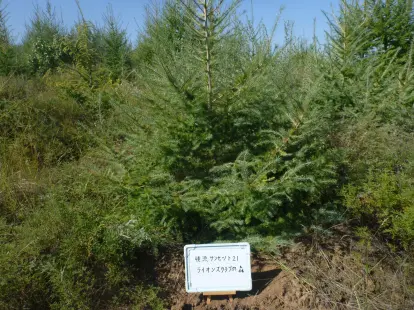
pixel 132 12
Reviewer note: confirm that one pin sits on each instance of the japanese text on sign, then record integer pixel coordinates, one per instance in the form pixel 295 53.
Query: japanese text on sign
pixel 217 258
pixel 217 267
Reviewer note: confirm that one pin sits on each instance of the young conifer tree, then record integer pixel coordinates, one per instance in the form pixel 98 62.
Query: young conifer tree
pixel 6 49
pixel 207 69
pixel 250 155
pixel 4 30
pixel 81 47
pixel 367 51
pixel 117 50
pixel 390 23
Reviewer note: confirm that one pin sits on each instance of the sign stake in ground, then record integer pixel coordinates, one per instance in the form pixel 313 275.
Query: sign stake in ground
pixel 229 294
pixel 217 269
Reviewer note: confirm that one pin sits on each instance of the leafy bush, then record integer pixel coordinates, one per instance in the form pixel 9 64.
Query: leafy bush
pixel 46 130
pixel 43 40
pixel 47 55
pixel 384 198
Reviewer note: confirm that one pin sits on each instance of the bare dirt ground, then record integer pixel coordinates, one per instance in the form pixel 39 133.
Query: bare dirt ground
pixel 336 273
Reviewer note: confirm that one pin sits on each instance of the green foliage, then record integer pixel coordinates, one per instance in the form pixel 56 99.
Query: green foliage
pixel 386 198
pixel 391 24
pixel 43 39
pixel 7 53
pixel 367 77
pixel 117 50
pixel 271 192
pixel 372 27
pixel 110 157
pixel 83 52
pixel 4 30
pixel 75 253
pixel 248 158
pixel 370 73
pixel 46 56
pixel 47 129
pixel 45 24
pixel 220 109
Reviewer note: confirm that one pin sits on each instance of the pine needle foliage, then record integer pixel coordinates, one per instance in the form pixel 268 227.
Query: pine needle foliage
pixel 212 92
pixel 247 157
pixel 7 53
pixel 363 69
pixel 117 50
pixel 4 30
pixel 390 24
pixel 370 74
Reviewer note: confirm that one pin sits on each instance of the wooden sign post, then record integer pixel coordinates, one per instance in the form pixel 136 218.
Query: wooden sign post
pixel 229 294
pixel 217 269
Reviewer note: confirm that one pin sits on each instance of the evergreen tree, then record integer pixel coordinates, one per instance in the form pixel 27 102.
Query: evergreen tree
pixel 81 46
pixel 117 50
pixel 214 94
pixel 249 151
pixel 7 53
pixel 390 23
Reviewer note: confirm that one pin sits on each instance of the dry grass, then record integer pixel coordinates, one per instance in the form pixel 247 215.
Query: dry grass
pixel 350 274
pixel 322 273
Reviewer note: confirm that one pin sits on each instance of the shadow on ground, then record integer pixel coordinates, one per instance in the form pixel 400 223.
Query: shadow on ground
pixel 261 280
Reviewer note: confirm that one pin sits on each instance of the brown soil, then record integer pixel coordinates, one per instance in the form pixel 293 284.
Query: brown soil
pixel 339 274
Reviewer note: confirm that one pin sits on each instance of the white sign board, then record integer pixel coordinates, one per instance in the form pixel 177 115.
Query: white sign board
pixel 217 267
